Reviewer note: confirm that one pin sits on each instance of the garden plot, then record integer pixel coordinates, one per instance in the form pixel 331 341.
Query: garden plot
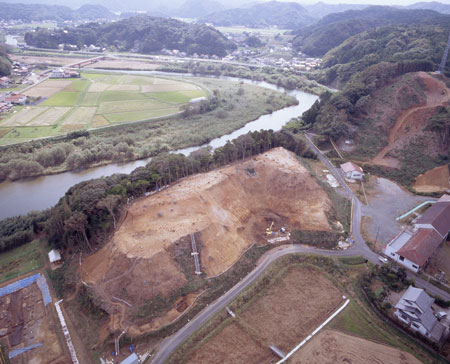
pixel 80 116
pixel 99 87
pixel 48 88
pixel 49 117
pixel 130 105
pixel 169 87
pixel 122 87
pixel 24 116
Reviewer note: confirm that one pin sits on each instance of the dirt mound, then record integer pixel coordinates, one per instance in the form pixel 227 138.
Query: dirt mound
pixel 434 180
pixel 411 114
pixel 228 209
pixel 335 347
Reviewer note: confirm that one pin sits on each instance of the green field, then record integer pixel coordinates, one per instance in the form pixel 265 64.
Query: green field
pixel 73 104
pixel 20 261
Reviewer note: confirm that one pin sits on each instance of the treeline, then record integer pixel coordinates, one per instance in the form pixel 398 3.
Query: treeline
pixel 332 113
pixel 330 31
pixel 420 44
pixel 143 34
pixel 275 76
pixel 90 210
pixel 40 12
pixel 5 62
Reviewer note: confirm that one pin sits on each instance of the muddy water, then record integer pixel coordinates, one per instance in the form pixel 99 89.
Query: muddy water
pixel 21 197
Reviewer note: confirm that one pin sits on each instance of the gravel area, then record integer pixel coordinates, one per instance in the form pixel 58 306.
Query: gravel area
pixel 387 202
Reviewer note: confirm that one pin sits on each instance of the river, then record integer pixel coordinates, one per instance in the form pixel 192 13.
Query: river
pixel 21 197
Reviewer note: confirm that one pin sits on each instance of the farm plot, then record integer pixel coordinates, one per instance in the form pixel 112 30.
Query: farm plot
pixel 48 88
pixel 80 116
pixel 283 314
pixel 111 98
pixel 24 116
pixel 49 117
pixel 336 347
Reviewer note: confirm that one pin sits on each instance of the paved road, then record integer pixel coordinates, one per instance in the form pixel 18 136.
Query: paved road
pixel 170 344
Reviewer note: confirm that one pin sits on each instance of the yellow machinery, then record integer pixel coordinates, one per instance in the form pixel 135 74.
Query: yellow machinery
pixel 269 229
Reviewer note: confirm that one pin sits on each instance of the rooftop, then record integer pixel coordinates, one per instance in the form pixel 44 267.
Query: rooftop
pixel 438 216
pixel 350 167
pixel 400 240
pixel 420 246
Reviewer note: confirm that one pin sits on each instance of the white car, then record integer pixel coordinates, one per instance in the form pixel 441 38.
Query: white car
pixel 382 259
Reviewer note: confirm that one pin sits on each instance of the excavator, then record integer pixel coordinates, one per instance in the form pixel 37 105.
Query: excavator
pixel 269 229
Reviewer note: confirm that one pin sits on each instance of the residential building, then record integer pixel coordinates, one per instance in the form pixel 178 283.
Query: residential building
pixel 57 73
pixel 4 82
pixel 16 99
pixel 352 171
pixel 54 257
pixel 414 249
pixel 415 310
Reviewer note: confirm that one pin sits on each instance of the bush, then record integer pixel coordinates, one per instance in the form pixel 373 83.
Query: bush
pixel 319 239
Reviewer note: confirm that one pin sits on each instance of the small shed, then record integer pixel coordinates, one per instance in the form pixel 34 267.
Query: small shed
pixel 352 171
pixel 132 359
pixel 55 257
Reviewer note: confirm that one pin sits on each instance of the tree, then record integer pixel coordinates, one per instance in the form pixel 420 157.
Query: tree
pixel 77 223
pixel 110 203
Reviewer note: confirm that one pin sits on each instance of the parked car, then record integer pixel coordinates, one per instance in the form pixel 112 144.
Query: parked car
pixel 382 259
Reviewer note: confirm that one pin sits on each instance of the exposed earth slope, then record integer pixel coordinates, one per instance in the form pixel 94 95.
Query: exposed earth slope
pixel 228 210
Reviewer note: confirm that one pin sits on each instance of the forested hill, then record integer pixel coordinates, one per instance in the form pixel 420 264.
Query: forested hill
pixel 5 63
pixel 39 12
pixel 282 15
pixel 423 44
pixel 327 33
pixel 144 34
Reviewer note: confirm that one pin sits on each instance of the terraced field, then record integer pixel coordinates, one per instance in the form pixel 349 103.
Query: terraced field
pixel 95 100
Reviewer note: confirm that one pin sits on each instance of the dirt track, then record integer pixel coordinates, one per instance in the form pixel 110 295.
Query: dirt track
pixel 334 347
pixel 229 209
pixel 411 120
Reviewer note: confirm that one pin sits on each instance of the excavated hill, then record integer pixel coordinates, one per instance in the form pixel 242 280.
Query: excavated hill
pixel 228 209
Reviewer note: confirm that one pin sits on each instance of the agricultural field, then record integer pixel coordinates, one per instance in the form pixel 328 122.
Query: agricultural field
pixel 20 261
pixel 298 300
pixel 95 100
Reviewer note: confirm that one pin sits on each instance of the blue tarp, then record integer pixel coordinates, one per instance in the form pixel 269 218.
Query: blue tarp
pixel 18 285
pixel 28 281
pixel 16 352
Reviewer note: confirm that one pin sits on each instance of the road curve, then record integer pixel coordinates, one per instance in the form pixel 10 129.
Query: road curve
pixel 169 344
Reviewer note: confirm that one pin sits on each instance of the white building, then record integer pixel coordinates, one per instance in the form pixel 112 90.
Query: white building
pixel 352 171
pixel 132 359
pixel 54 256
pixel 57 73
pixel 414 309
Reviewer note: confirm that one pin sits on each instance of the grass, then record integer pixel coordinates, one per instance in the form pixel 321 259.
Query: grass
pixel 178 97
pixel 113 96
pixel 62 98
pixel 77 86
pixel 138 115
pixel 31 132
pixel 19 261
pixel 91 99
pixel 130 105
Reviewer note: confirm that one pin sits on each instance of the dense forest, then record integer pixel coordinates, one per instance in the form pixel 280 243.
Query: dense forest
pixel 39 12
pixel 82 218
pixel 388 43
pixel 330 31
pixel 273 13
pixel 143 34
pixel 5 62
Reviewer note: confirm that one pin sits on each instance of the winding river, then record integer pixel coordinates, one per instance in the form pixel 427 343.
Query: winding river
pixel 21 197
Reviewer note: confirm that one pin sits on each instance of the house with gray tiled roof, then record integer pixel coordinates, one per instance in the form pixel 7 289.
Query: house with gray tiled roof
pixel 415 310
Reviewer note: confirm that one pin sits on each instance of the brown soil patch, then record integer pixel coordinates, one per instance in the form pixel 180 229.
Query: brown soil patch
pixel 98 121
pixel 228 209
pixel 283 316
pixel 413 120
pixel 434 180
pixel 24 321
pixel 333 347
pixel 125 64
pixel 24 116
pixel 50 60
pixel 48 88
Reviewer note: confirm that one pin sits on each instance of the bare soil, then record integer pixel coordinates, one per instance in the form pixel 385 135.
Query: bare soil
pixel 412 121
pixel 125 64
pixel 334 347
pixel 434 180
pixel 24 321
pixel 48 88
pixel 440 261
pixel 282 315
pixel 228 209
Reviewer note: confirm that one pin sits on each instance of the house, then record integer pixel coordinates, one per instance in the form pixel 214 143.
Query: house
pixel 437 218
pixel 4 107
pixel 414 250
pixel 415 310
pixel 352 171
pixel 55 257
pixel 132 359
pixel 16 99
pixel 57 73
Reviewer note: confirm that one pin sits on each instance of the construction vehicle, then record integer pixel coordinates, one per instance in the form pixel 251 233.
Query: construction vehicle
pixel 269 229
